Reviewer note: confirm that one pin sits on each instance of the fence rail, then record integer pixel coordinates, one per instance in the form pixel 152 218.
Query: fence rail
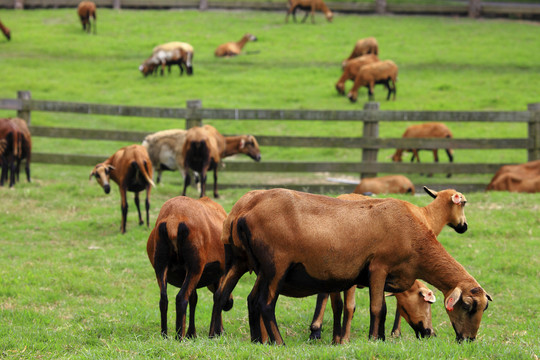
pixel 370 142
pixel 526 10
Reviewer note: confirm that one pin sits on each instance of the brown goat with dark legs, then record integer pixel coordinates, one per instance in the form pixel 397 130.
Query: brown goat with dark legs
pixel 11 133
pixel 381 245
pixel 26 148
pixel 87 10
pixel 205 147
pixel 382 72
pixel 427 130
pixel 131 168
pixel 363 47
pixel 5 31
pixel 185 251
pixel 352 68
pixel 234 48
pixel 309 6
pixel 517 178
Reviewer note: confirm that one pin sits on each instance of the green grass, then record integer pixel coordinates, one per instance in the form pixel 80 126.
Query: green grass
pixel 72 287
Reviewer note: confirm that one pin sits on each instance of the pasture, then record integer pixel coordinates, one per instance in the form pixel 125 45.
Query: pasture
pixel 71 286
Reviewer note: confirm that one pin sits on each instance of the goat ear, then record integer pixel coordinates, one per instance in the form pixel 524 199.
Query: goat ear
pixel 489 297
pixel 456 199
pixel 452 299
pixel 110 167
pixel 430 192
pixel 428 295
pixel 242 143
pixel 91 174
pixel 390 294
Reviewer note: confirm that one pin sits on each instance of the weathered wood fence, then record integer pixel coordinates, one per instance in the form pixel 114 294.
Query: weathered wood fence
pixel 472 8
pixel 370 142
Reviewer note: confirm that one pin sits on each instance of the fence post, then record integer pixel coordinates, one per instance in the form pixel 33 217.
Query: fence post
pixel 380 7
pixel 534 131
pixel 18 4
pixel 193 115
pixel 371 130
pixel 116 5
pixel 475 8
pixel 24 113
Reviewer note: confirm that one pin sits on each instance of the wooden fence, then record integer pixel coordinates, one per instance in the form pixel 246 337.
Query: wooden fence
pixel 370 142
pixel 473 8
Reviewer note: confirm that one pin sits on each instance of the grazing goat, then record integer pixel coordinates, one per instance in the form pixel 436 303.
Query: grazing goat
pixel 382 72
pixel 517 178
pixel 434 217
pixel 427 130
pixel 12 135
pixel 205 147
pixel 165 150
pixel 309 6
pixel 185 250
pixel 131 168
pixel 362 47
pixel 390 184
pixel 414 305
pixel 5 31
pixel 86 10
pixel 352 69
pixel 176 52
pixel 321 244
pixel 233 48
pixel 26 147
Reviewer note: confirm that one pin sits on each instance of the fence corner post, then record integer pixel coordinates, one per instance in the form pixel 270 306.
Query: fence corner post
pixel 534 131
pixel 371 130
pixel 24 113
pixel 193 114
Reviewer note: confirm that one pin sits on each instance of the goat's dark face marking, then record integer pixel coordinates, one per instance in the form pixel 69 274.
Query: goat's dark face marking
pixel 250 147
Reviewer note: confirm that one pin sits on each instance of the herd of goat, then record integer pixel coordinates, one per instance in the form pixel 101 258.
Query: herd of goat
pixel 298 244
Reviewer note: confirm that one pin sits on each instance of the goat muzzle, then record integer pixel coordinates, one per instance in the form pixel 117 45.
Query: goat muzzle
pixel 107 188
pixel 459 228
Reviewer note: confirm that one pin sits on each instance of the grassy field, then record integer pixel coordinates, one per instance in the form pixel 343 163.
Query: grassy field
pixel 72 287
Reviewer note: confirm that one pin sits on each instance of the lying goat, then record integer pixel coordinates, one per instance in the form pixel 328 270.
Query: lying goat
pixel 131 168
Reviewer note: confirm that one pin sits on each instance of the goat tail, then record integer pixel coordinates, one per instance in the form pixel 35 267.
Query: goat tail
pixel 244 235
pixel 143 166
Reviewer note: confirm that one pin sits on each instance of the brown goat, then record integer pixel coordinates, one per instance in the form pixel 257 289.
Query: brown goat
pixel 171 53
pixel 517 178
pixel 205 147
pixel 234 48
pixel 390 184
pixel 26 148
pixel 435 216
pixel 427 130
pixel 87 10
pixel 382 72
pixel 352 68
pixel 5 31
pixel 362 47
pixel 309 6
pixel 131 168
pixel 185 250
pixel 414 305
pixel 386 255
pixel 12 135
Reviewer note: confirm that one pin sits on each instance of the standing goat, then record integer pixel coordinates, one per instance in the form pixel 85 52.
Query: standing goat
pixel 205 147
pixel 352 68
pixel 309 6
pixel 13 138
pixel 171 53
pixel 234 48
pixel 165 150
pixel 185 250
pixel 5 31
pixel 322 244
pixel 382 72
pixel 25 147
pixel 131 168
pixel 427 130
pixel 362 47
pixel 87 10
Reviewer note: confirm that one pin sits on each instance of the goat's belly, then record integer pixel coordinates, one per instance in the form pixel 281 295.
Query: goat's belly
pixel 298 283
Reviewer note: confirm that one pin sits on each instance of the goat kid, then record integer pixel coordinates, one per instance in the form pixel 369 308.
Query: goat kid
pixel 131 168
